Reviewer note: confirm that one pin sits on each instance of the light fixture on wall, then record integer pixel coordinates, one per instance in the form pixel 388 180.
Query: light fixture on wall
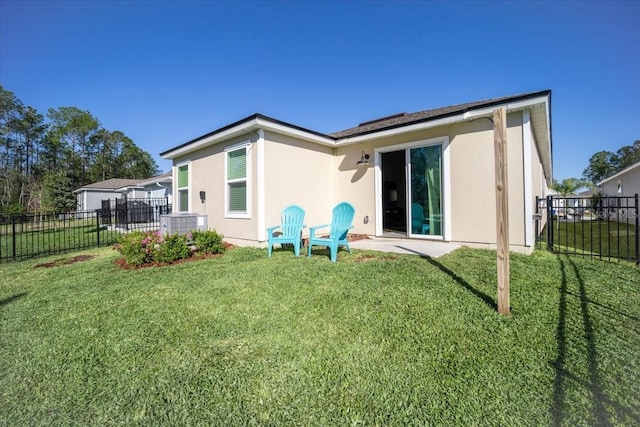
pixel 364 159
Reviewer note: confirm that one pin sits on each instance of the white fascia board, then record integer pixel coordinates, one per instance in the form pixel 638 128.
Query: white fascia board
pixel 213 139
pixel 527 169
pixel 262 234
pixel 247 127
pixel 296 133
pixel 166 179
pixel 511 107
pixel 548 137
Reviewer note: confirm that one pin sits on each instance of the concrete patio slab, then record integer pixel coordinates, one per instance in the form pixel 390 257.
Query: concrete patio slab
pixel 428 248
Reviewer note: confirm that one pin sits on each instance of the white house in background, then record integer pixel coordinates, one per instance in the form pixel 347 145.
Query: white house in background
pixel 158 187
pixel 90 196
pixel 624 183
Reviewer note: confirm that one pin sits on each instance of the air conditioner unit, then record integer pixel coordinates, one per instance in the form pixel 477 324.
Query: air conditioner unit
pixel 182 223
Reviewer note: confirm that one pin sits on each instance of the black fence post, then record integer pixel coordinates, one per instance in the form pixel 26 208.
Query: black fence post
pixel 550 223
pixel 126 212
pixel 636 233
pixel 98 227
pixel 13 234
pixel 537 221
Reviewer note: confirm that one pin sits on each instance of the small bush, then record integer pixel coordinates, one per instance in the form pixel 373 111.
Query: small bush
pixel 137 247
pixel 174 247
pixel 208 242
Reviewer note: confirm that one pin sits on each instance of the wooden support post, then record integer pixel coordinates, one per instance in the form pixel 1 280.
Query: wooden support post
pixel 502 207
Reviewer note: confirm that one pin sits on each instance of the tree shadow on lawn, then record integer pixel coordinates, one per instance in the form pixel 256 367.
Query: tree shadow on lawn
pixel 568 335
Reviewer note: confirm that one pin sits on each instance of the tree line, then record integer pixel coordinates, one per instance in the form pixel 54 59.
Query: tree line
pixel 604 164
pixel 43 158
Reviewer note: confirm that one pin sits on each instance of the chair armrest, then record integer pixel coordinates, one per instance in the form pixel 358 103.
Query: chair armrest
pixel 344 230
pixel 270 229
pixel 312 230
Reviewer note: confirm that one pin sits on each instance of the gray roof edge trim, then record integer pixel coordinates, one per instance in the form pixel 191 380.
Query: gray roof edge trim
pixel 246 120
pixel 619 173
pixel 458 111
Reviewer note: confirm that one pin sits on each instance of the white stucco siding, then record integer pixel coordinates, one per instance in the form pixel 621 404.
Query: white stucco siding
pixel 154 191
pixel 628 181
pixel 469 201
pixel 207 173
pixel 356 183
pixel 298 173
pixel 93 199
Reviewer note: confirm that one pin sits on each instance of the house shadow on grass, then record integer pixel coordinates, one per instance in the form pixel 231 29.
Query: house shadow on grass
pixel 488 300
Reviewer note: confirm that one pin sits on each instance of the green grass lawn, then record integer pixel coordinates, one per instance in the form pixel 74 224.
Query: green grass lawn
pixel 375 339
pixel 52 237
pixel 605 239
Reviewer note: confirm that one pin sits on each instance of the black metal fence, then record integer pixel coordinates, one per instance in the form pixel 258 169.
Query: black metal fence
pixel 601 227
pixel 31 236
pixel 131 214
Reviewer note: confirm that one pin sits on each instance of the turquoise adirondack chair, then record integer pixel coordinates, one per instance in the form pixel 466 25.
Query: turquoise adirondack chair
pixel 341 222
pixel 291 229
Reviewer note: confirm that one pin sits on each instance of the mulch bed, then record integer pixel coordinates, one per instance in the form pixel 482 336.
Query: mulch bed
pixel 65 261
pixel 120 262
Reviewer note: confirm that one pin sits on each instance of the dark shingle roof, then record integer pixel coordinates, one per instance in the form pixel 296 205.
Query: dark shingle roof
pixel 110 184
pixel 404 119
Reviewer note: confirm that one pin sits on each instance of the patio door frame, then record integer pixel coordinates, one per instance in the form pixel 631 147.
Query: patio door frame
pixel 445 186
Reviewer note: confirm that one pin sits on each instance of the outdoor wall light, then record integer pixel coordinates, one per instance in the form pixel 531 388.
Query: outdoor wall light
pixel 364 159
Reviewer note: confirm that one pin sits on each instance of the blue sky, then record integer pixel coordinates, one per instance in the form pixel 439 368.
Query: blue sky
pixel 167 72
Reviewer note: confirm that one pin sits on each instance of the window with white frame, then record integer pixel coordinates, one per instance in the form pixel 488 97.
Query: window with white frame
pixel 183 188
pixel 237 182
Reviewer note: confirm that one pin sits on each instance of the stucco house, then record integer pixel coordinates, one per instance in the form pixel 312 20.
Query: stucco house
pixel 158 187
pixel 423 175
pixel 90 196
pixel 624 183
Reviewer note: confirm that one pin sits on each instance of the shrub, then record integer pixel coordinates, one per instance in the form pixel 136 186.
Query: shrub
pixel 174 247
pixel 136 247
pixel 139 247
pixel 208 242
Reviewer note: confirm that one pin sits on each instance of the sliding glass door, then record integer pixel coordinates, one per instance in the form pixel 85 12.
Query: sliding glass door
pixel 425 190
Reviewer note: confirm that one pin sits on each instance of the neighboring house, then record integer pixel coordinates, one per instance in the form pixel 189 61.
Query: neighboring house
pixel 424 175
pixel 158 187
pixel 624 183
pixel 90 196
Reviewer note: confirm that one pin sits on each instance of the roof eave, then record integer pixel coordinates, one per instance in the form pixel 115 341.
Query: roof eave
pixel 541 120
pixel 444 120
pixel 618 174
pixel 81 189
pixel 246 126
